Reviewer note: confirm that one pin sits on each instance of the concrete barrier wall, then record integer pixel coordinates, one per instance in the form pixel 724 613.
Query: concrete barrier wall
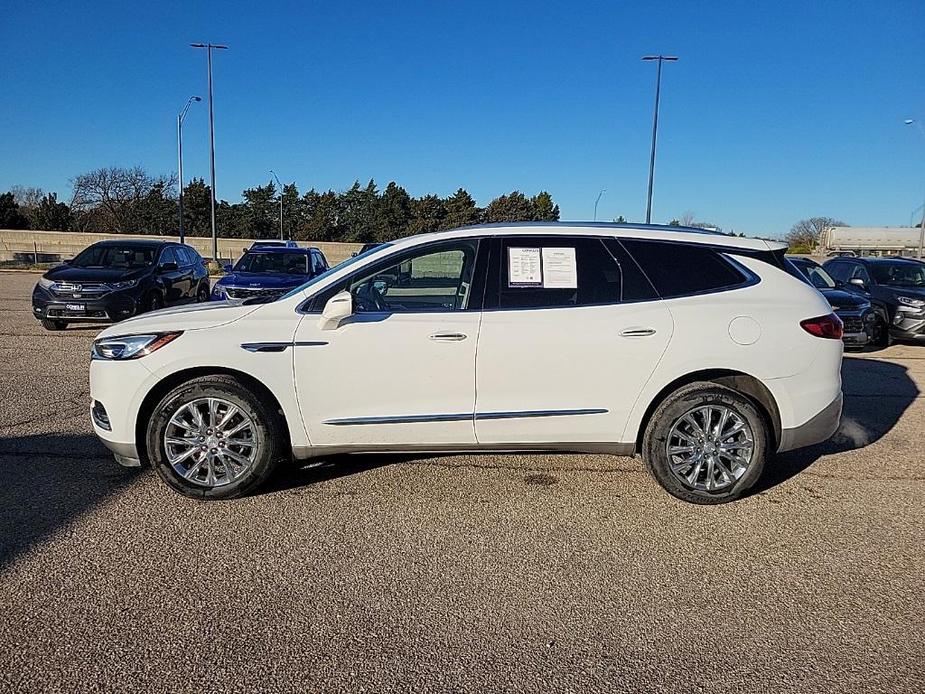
pixel 53 246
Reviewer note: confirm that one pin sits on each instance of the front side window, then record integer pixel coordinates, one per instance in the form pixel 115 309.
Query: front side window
pixel 679 269
pixel 840 271
pixel 168 256
pixel 436 279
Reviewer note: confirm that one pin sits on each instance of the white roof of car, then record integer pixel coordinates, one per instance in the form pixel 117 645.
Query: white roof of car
pixel 632 231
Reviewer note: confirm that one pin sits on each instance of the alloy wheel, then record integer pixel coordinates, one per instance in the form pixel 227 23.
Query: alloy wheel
pixel 709 448
pixel 211 442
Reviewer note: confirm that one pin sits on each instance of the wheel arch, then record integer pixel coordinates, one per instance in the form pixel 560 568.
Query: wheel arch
pixel 169 382
pixel 738 381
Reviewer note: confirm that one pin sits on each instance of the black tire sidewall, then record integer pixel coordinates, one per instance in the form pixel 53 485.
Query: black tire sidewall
pixel 154 301
pixel 203 292
pixel 676 405
pixel 227 388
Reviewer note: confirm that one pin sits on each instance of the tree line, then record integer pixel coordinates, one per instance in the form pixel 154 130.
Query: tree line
pixel 130 200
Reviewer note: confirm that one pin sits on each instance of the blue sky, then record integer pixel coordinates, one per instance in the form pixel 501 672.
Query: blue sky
pixel 776 111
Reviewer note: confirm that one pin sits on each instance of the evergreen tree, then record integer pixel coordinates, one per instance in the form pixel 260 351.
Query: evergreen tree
pixel 51 214
pixel 514 207
pixel 10 215
pixel 544 209
pixel 461 210
pixel 395 213
pixel 427 214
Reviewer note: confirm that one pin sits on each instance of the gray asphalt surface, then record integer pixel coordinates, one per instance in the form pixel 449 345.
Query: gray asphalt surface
pixel 523 573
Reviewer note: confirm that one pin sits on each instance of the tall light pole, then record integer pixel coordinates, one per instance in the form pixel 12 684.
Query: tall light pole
pixel 658 88
pixel 280 204
pixel 913 121
pixel 603 190
pixel 180 116
pixel 209 47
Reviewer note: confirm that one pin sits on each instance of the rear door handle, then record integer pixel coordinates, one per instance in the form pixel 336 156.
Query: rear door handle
pixel 448 337
pixel 637 332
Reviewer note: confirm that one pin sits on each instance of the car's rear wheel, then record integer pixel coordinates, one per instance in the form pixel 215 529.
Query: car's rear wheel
pixel 706 444
pixel 50 324
pixel 213 438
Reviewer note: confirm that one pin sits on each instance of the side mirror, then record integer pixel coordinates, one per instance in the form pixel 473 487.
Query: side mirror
pixel 858 282
pixel 338 307
pixel 169 267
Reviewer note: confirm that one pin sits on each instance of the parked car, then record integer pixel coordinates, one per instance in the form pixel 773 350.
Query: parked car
pixel 700 351
pixel 267 272
pixel 895 285
pixel 272 243
pixel 113 280
pixel 864 324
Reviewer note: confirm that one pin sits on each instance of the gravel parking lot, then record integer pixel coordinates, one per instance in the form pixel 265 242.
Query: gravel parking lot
pixel 559 573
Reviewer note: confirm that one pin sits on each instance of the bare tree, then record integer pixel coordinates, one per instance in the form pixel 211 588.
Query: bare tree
pixel 687 219
pixel 804 235
pixel 109 198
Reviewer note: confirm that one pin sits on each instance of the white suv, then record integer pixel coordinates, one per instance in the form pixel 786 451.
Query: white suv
pixel 697 350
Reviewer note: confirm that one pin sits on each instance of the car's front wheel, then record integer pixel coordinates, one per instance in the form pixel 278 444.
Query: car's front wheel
pixel 213 438
pixel 706 444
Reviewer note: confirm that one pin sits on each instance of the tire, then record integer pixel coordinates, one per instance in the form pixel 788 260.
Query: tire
pixel 153 302
pixel 50 324
pixel 730 479
pixel 884 339
pixel 203 293
pixel 211 473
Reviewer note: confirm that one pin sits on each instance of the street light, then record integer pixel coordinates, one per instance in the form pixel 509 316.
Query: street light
pixel 658 88
pixel 604 190
pixel 209 47
pixel 913 121
pixel 280 204
pixel 180 117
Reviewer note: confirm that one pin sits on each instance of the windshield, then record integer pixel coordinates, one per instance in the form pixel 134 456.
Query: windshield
pixel 125 257
pixel 341 266
pixel 817 275
pixel 901 273
pixel 286 263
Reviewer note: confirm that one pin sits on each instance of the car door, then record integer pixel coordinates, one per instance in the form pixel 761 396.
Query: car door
pixel 188 272
pixel 400 371
pixel 170 276
pixel 571 331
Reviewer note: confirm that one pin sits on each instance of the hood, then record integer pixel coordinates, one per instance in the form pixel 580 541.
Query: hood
pixel 840 299
pixel 68 273
pixel 914 292
pixel 188 317
pixel 262 280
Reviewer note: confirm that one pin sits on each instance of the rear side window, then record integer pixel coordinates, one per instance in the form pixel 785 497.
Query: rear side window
pixel 679 269
pixel 554 272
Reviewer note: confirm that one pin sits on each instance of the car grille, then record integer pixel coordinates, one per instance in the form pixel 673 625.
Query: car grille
pixel 853 324
pixel 252 292
pixel 67 313
pixel 67 290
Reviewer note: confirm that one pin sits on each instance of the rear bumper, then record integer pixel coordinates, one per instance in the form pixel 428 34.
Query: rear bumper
pixel 816 430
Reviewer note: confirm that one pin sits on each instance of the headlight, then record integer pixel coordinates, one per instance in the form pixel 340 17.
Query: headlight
pixel 46 284
pixel 909 301
pixel 218 292
pixel 130 346
pixel 123 285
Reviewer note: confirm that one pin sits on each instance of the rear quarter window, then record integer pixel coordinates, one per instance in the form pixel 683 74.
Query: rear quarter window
pixel 680 269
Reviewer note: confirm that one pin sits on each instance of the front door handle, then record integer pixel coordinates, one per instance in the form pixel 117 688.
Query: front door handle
pixel 448 337
pixel 637 332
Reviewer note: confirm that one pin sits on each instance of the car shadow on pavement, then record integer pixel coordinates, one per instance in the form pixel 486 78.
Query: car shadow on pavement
pixel 877 393
pixel 47 481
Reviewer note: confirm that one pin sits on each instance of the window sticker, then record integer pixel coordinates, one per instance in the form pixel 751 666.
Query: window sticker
pixel 560 270
pixel 524 269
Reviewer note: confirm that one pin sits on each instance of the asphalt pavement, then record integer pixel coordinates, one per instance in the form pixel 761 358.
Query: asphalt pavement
pixel 515 573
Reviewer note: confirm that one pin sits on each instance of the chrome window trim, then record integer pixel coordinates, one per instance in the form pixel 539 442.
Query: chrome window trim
pixel 461 417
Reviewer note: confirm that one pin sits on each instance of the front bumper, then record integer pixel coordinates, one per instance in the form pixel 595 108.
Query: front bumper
pixel 908 323
pixel 109 308
pixel 859 326
pixel 818 429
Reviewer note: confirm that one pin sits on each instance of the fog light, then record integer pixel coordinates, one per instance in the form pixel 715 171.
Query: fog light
pixel 100 417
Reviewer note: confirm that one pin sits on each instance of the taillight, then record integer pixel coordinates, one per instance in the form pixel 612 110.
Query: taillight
pixel 829 327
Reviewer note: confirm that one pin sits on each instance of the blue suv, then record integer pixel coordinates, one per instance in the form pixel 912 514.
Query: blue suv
pixel 268 272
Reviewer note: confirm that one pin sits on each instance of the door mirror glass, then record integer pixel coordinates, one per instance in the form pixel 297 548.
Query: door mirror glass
pixel 337 308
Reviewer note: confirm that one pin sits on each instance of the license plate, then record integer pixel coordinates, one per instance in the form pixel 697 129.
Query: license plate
pixel 75 307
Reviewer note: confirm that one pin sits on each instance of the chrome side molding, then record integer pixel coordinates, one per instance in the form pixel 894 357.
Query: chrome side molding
pixel 277 346
pixel 461 417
